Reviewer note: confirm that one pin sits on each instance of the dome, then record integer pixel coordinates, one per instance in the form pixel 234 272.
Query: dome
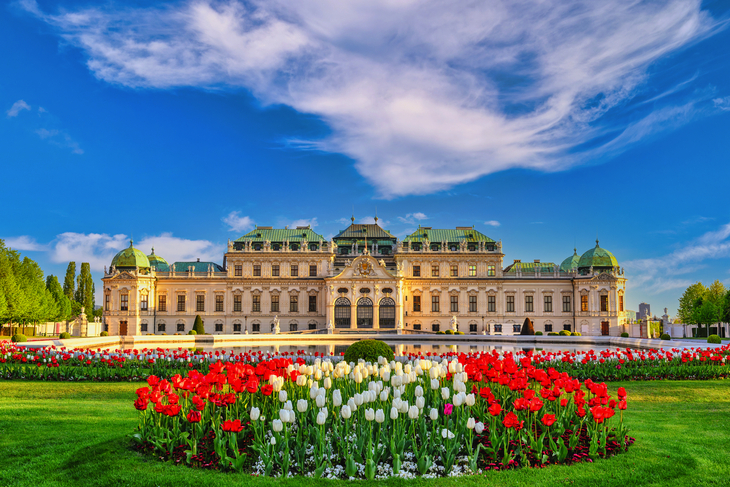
pixel 158 262
pixel 571 262
pixel 597 257
pixel 130 257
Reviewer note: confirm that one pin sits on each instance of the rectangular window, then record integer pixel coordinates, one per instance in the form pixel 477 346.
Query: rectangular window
pixel 620 303
pixel 492 304
pixel 219 302
pixel 257 270
pixel 454 304
pixel 435 304
pixel 472 271
pixel 604 303
pixel 510 304
pixel 312 304
pixel 294 271
pixel 491 270
pixel 529 304
pixel 313 326
pixel 143 303
pixel 454 271
pixel 566 304
pixel 256 304
pixel 200 302
pixel 417 303
pixel 162 303
pixel 498 327
pixel 566 327
pixel 472 304
pixel 274 270
pixel 124 305
pixel 293 327
pixel 180 327
pixel 274 304
pixel 256 327
pixel 237 302
pixel 219 327
pixel 584 302
pixel 293 304
pixel 236 327
pixel 548 304
pixel 107 301
pixel 417 326
pixel 143 327
pixel 238 270
pixel 181 302
pixel 516 328
pixel 434 271
pixel 548 327
pixel 416 271
pixel 160 327
pixel 436 327
pixel 472 327
pixel 312 271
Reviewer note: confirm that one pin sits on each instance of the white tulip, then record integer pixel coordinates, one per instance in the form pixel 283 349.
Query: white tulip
pixel 277 425
pixel 351 403
pixel 386 376
pixel 302 380
pixel 471 423
pixel 288 406
pixel 407 369
pixel 346 412
pixel 369 414
pixel 447 434
pixel 358 399
pixel 327 383
pixel 479 427
pixel 321 418
pixel 434 373
pixel 397 402
pixel 393 413
pixel 337 398
pixel 284 415
pixel 302 405
pixel 313 391
pixel 357 376
pixel 420 402
pixel 282 396
pixel 470 400
pixel 255 414
pixel 457 400
pixel 419 391
pixel 445 393
pixel 413 412
pixel 317 374
pixel 435 384
pixel 320 400
pixel 383 395
pixel 434 414
pixel 379 416
pixel 272 441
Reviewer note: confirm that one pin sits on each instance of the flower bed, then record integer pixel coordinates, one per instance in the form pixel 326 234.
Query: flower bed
pixel 417 417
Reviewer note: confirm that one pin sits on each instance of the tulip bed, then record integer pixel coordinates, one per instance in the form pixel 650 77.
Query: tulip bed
pixel 425 417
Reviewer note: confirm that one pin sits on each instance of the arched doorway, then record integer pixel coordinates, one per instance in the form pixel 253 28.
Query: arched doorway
pixel 387 313
pixel 364 313
pixel 342 313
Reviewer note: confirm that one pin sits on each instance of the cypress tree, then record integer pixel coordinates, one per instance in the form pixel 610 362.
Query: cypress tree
pixel 69 281
pixel 85 289
pixel 63 305
pixel 527 328
pixel 198 325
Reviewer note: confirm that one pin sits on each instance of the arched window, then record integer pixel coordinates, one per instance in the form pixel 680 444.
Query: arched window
pixel 364 313
pixel 342 313
pixel 387 313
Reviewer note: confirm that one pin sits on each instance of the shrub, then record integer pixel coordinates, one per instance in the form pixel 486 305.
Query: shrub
pixel 369 351
pixel 192 332
pixel 19 337
pixel 104 334
pixel 198 325
pixel 624 335
pixel 65 335
pixel 714 339
pixel 552 334
pixel 665 336
pixel 538 333
pixel 576 334
pixel 459 333
pixel 449 332
pixel 527 328
pixel 564 333
pixel 439 332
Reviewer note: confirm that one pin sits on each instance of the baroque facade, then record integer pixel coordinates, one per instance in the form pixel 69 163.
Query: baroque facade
pixel 364 278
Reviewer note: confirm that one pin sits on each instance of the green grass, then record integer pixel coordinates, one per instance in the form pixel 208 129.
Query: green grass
pixel 75 434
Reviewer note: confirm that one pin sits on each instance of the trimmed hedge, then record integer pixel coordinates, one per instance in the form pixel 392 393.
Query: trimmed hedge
pixel 624 335
pixel 665 336
pixel 552 334
pixel 369 351
pixel 449 331
pixel 714 339
pixel 104 334
pixel 564 333
pixel 538 333
pixel 19 337
pixel 65 335
pixel 192 332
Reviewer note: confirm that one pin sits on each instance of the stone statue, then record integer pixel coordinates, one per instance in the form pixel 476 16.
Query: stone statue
pixel 381 262
pixel 330 329
pixel 454 323
pixel 277 330
pixel 399 328
pixel 230 245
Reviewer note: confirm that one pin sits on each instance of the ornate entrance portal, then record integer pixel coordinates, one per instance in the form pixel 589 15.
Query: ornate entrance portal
pixel 364 313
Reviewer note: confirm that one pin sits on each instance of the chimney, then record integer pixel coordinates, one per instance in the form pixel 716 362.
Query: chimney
pixel 198 259
pixel 518 261
pixel 537 261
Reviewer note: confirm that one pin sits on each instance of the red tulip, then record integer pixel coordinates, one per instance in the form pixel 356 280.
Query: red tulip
pixel 267 390
pixel 141 403
pixel 495 409
pixel 232 426
pixel 548 419
pixel 194 416
pixel 621 392
pixel 511 421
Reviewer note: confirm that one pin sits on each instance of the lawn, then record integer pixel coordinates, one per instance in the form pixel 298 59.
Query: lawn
pixel 76 435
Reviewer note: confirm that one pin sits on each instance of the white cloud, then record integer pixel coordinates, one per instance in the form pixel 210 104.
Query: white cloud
pixel 24 242
pixel 174 249
pixel 60 139
pixel 722 103
pixel 17 107
pixel 411 218
pixel 493 223
pixel 303 222
pixel 238 223
pixel 413 91
pixel 369 220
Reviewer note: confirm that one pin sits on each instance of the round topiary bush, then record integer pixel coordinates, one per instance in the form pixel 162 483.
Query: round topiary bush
pixel 665 336
pixel 65 335
pixel 714 339
pixel 192 332
pixel 459 333
pixel 538 333
pixel 104 334
pixel 369 351
pixel 564 333
pixel 624 335
pixel 449 332
pixel 19 337
pixel 439 332
pixel 576 334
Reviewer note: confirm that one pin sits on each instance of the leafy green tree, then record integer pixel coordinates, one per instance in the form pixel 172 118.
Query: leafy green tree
pixel 69 281
pixel 688 302
pixel 85 289
pixel 62 302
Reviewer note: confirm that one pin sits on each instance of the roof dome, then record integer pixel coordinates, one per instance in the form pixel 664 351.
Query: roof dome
pixel 597 257
pixel 158 262
pixel 130 257
pixel 571 262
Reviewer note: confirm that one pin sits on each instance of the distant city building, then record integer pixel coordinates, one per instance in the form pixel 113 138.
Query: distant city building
pixel 644 311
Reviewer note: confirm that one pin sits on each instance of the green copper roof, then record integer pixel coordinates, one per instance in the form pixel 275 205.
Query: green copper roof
pixel 597 257
pixel 281 235
pixel 197 266
pixel 130 257
pixel 157 262
pixel 571 262
pixel 437 235
pixel 531 267
pixel 356 230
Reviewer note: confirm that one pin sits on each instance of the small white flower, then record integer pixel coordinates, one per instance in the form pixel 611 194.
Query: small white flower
pixel 419 391
pixel 435 384
pixel 358 399
pixel 420 402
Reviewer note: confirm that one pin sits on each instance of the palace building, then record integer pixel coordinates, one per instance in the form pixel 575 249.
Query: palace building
pixel 365 279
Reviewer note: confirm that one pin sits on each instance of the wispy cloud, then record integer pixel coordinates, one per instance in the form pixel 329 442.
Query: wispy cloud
pixel 492 223
pixel 422 95
pixel 412 218
pixel 17 107
pixel 303 222
pixel 238 223
pixel 60 138
pixel 722 103
pixel 24 242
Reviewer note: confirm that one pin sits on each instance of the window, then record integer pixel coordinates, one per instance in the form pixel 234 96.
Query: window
pixel 584 302
pixel 162 303
pixel 548 304
pixel 293 304
pixel 516 328
pixel 620 303
pixel 436 327
pixel 435 304
pixel 181 302
pixel 342 313
pixel 312 271
pixel 200 302
pixel 472 327
pixel 510 304
pixel 219 327
pixel 529 304
pixel 256 327
pixel 472 271
pixel 454 304
pixel 237 270
pixel 237 302
pixel 219 302
pixel 143 327
pixel 454 271
pixel 417 326
pixel 180 327
pixel 313 326
pixel 604 303
pixel 295 271
pixel 492 304
pixel 275 270
pixel 107 301
pixel 160 327
pixel 237 327
pixel 548 327
pixel 566 327
pixel 434 271
pixel 312 304
pixel 566 304
pixel 416 271
pixel 417 303
pixel 293 327
pixel 124 304
pixel 256 305
pixel 498 327
pixel 275 304
pixel 491 270
pixel 472 304
pixel 143 302
pixel 257 270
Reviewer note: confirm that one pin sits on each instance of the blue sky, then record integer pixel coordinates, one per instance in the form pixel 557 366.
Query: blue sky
pixel 544 124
